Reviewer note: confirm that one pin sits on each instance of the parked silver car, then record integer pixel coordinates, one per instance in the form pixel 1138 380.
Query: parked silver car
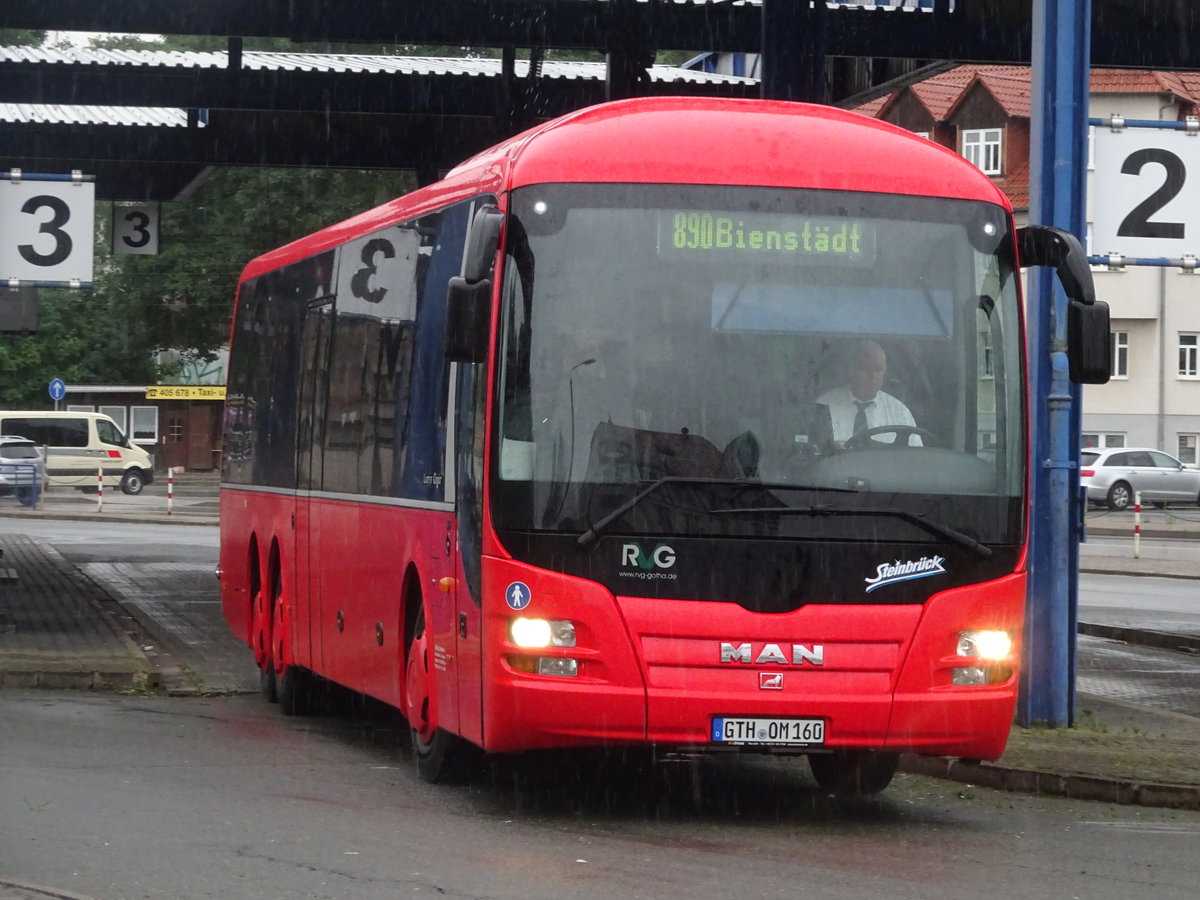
pixel 1111 477
pixel 22 469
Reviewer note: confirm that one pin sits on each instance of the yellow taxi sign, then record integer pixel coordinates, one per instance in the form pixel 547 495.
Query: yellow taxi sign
pixel 186 392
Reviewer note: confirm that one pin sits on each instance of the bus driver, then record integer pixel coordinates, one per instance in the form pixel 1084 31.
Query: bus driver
pixel 862 403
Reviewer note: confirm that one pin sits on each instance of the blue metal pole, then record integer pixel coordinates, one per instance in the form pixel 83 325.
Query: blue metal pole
pixel 1061 64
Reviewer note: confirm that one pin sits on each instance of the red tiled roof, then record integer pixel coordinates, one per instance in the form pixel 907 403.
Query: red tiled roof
pixel 1185 85
pixel 875 107
pixel 1010 85
pixel 1011 91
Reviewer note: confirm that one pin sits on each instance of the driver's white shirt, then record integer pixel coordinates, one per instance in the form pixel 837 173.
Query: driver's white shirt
pixel 883 410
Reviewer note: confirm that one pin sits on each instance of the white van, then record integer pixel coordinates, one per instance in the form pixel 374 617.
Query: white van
pixel 78 444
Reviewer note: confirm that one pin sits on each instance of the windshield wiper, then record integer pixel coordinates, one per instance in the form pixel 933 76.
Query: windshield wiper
pixel 945 531
pixel 589 537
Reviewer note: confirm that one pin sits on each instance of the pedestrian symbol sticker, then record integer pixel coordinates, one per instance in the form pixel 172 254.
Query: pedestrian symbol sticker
pixel 518 595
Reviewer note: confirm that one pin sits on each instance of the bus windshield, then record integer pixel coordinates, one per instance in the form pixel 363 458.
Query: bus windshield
pixel 787 363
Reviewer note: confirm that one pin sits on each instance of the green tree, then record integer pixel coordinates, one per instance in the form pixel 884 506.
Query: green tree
pixel 80 339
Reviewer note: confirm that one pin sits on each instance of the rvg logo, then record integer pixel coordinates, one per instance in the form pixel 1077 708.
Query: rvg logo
pixel 661 557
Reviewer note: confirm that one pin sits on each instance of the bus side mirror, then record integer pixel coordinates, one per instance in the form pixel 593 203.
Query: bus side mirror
pixel 469 296
pixel 468 319
pixel 482 242
pixel 1041 245
pixel 1089 344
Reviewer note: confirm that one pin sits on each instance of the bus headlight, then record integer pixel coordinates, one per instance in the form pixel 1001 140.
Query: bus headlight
pixel 541 633
pixel 991 645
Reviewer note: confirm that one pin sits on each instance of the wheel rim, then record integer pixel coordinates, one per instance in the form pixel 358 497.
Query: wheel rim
pixel 416 685
pixel 260 629
pixel 280 645
pixel 1121 496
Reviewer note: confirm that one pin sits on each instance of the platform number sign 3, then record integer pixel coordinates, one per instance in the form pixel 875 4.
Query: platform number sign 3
pixel 135 229
pixel 47 230
pixel 1146 193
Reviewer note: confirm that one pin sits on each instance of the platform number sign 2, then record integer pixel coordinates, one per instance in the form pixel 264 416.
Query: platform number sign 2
pixel 135 229
pixel 47 230
pixel 1146 193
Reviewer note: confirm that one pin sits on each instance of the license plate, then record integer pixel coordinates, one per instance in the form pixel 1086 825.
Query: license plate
pixel 788 732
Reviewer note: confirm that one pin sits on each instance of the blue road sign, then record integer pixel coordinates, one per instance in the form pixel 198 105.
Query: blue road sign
pixel 58 390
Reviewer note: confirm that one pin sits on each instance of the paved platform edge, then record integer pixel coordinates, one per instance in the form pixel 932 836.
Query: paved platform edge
pixel 1075 786
pixel 142 677
pixel 1159 640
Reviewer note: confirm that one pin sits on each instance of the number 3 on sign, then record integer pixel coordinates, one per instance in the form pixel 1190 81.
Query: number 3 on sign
pixel 1146 193
pixel 135 229
pixel 47 230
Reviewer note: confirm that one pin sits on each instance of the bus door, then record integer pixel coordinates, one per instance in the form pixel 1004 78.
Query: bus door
pixel 469 410
pixel 426 457
pixel 314 350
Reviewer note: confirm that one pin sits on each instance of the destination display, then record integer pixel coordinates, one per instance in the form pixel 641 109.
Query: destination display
pixel 696 234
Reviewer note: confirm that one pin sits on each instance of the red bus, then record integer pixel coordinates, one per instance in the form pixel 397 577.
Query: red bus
pixel 552 453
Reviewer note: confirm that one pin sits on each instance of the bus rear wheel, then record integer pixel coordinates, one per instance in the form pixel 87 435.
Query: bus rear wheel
pixel 297 689
pixel 853 772
pixel 260 643
pixel 293 683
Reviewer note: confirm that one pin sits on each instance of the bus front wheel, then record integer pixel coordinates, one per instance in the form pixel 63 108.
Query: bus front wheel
pixel 429 743
pixel 853 772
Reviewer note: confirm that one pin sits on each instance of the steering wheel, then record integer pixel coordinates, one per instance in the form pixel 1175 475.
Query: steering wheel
pixel 862 440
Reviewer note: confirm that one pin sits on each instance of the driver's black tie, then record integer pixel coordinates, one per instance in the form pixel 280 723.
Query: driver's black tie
pixel 860 418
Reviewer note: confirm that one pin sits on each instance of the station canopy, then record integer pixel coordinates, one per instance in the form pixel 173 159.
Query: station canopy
pixel 150 123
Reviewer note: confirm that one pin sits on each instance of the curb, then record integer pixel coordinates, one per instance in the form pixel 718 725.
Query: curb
pixel 1113 570
pixel 157 518
pixel 1076 787
pixel 1161 640
pixel 21 890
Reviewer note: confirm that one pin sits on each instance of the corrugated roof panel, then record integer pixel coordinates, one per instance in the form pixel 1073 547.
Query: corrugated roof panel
pixel 255 60
pixel 121 116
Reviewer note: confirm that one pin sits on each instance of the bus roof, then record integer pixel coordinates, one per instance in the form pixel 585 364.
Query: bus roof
pixel 747 142
pixel 685 140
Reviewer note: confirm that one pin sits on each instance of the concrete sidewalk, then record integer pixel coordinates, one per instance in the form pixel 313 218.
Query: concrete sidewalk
pixel 58 629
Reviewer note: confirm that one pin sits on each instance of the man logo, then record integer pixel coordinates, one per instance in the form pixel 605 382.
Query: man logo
pixel 801 654
pixel 661 557
pixel 770 681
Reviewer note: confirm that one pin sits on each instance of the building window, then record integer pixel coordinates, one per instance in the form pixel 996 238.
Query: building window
pixel 1187 449
pixel 144 422
pixel 981 146
pixel 1189 346
pixel 175 430
pixel 117 414
pixel 1120 354
pixel 1102 440
pixel 924 134
pixel 80 407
